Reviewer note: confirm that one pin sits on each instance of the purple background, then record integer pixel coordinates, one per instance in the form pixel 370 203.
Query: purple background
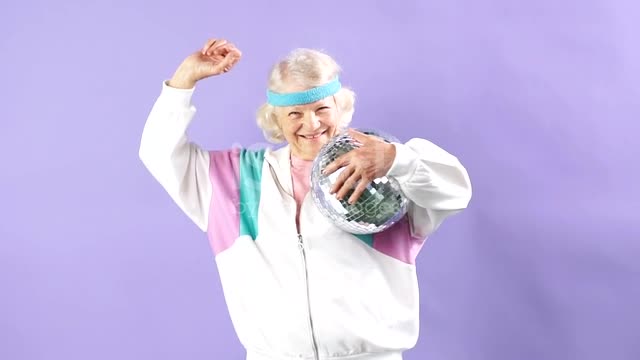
pixel 539 100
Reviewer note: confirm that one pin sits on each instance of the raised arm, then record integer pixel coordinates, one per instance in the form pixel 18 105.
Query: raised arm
pixel 179 165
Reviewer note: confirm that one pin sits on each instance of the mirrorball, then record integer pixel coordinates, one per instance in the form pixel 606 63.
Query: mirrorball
pixel 380 206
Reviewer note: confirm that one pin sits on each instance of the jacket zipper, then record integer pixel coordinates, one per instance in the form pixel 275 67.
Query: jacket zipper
pixel 314 345
pixel 306 283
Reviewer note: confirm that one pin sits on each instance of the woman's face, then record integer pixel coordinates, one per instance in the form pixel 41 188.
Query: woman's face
pixel 307 127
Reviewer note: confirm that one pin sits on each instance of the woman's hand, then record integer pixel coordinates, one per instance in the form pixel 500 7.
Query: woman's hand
pixel 361 165
pixel 216 57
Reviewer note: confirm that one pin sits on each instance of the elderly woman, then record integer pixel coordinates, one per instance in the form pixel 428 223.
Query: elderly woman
pixel 296 285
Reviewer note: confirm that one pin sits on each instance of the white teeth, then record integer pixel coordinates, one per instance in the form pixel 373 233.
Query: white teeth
pixel 312 136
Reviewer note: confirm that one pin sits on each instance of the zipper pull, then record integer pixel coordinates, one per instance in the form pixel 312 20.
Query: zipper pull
pixel 300 243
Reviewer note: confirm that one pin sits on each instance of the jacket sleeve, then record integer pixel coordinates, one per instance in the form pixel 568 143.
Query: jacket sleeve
pixel 179 165
pixel 434 181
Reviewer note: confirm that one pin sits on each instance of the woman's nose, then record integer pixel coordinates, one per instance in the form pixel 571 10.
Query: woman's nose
pixel 311 120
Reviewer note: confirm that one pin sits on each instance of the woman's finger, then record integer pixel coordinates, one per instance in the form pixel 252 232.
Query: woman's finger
pixel 214 46
pixel 229 60
pixel 348 185
pixel 342 177
pixel 222 49
pixel 236 52
pixel 362 186
pixel 229 51
pixel 207 45
pixel 336 164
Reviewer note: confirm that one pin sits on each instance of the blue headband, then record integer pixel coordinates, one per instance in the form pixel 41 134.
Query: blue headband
pixel 304 97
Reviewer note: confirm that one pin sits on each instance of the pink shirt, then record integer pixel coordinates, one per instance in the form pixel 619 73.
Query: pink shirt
pixel 300 173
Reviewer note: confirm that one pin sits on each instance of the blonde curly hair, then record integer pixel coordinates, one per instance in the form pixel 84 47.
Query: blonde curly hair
pixel 303 68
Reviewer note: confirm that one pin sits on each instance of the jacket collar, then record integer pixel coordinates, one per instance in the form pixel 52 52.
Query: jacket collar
pixel 280 163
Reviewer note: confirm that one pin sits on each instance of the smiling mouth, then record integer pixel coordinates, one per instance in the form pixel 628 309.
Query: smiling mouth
pixel 311 137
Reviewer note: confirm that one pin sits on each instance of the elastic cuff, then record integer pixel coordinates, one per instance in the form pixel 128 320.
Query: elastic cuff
pixel 181 97
pixel 405 161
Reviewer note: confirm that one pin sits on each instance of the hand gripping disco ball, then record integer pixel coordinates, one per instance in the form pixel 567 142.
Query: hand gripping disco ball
pixel 380 206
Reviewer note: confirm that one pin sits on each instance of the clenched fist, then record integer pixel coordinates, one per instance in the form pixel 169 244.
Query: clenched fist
pixel 217 56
